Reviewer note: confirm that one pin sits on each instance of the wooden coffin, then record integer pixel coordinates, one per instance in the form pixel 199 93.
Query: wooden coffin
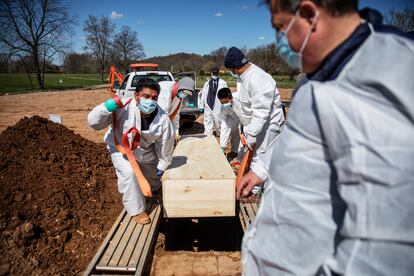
pixel 199 181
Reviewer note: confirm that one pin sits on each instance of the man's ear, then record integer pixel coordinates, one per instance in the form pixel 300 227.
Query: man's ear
pixel 308 10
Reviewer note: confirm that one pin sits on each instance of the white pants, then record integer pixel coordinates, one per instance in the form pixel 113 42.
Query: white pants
pixel 132 197
pixel 211 120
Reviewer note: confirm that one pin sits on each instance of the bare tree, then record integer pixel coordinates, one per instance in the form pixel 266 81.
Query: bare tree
pixel 403 20
pixel 39 28
pixel 98 38
pixel 127 47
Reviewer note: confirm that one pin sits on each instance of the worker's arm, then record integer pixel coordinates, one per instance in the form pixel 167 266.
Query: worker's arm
pixel 261 95
pixel 225 130
pixel 165 145
pixel 99 118
pixel 203 92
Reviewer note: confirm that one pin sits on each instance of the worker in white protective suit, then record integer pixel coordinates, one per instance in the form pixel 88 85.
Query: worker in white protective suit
pixel 210 105
pixel 261 111
pixel 154 152
pixel 230 107
pixel 171 96
pixel 339 197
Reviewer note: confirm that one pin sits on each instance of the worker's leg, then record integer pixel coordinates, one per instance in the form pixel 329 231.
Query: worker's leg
pixel 132 197
pixel 149 171
pixel 235 138
pixel 217 123
pixel 208 122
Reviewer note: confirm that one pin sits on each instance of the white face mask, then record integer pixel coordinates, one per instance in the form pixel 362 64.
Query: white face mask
pixel 234 75
pixel 214 77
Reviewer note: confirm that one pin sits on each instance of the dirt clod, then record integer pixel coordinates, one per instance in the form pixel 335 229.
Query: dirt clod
pixel 54 184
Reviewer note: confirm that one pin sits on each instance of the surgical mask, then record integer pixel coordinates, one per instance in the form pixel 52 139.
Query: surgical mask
pixel 214 77
pixel 181 95
pixel 291 57
pixel 227 105
pixel 147 106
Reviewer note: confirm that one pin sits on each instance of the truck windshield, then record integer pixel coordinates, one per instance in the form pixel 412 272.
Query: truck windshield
pixel 157 78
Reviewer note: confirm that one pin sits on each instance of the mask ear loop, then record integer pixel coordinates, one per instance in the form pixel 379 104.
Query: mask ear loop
pixel 305 42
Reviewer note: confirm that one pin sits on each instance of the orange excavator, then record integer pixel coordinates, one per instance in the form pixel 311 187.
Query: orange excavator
pixel 115 80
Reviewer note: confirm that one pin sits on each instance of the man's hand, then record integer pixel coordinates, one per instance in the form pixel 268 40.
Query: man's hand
pixel 248 182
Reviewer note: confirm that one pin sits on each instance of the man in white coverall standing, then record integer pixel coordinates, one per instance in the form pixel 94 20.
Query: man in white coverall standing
pixel 261 111
pixel 339 198
pixel 154 153
pixel 210 103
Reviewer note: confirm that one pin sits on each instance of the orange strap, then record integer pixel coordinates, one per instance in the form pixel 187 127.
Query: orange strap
pixel 127 150
pixel 173 95
pixel 247 159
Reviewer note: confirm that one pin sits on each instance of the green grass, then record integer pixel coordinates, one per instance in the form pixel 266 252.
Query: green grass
pixel 12 83
pixel 281 81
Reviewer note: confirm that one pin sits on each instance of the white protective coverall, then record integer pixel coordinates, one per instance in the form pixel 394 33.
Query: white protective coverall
pixel 164 101
pixel 154 150
pixel 261 112
pixel 230 124
pixel 211 116
pixel 341 174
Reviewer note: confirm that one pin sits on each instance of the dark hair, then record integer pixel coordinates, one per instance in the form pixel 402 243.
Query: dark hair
pixel 147 83
pixel 224 93
pixel 333 7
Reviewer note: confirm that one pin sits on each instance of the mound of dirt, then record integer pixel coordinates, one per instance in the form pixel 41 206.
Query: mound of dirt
pixel 58 199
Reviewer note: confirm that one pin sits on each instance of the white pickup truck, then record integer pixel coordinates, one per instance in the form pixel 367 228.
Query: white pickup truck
pixel 127 88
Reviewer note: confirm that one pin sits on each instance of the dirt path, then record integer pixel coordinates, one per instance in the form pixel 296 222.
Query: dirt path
pixel 73 106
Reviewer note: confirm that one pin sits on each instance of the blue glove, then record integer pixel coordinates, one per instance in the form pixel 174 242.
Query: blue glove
pixel 159 173
pixel 111 105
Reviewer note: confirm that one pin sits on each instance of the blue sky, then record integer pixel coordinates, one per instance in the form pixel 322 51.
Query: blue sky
pixel 193 26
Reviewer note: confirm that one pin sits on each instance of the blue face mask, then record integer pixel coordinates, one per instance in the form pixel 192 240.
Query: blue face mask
pixel 291 57
pixel 227 106
pixel 147 106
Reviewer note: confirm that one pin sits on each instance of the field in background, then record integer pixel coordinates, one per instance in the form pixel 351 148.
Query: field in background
pixel 281 81
pixel 17 83
pixel 11 83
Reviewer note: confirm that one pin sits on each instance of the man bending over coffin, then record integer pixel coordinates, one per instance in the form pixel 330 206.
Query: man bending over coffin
pixel 143 117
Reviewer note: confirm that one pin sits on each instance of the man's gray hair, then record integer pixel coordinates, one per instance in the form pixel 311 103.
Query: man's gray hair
pixel 333 7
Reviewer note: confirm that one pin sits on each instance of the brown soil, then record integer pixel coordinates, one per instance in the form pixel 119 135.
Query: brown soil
pixel 58 197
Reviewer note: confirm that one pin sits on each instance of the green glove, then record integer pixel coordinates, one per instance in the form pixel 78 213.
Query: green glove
pixel 202 110
pixel 111 105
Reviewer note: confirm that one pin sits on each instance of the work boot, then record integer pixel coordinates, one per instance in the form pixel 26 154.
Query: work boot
pixel 142 218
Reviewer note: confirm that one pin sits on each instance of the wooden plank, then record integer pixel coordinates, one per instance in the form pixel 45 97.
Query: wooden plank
pixel 198 198
pixel 104 244
pixel 150 240
pixel 244 218
pixel 140 245
pixel 250 212
pixel 128 257
pixel 103 263
pixel 120 250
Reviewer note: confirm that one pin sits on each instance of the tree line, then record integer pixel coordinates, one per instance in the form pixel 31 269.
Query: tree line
pixel 35 33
